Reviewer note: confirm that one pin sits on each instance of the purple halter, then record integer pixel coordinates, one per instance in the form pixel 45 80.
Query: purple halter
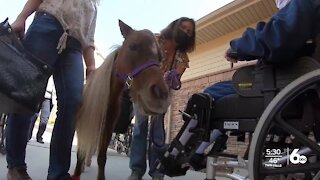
pixel 129 77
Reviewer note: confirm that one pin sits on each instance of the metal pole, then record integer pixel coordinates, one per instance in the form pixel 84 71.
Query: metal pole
pixel 168 130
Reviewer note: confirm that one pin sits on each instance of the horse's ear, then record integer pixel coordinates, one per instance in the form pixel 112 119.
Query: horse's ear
pixel 124 28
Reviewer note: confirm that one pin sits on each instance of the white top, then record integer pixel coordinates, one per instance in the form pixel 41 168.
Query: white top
pixel 77 17
pixel 49 90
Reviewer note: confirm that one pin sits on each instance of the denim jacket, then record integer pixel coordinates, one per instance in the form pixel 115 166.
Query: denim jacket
pixel 283 36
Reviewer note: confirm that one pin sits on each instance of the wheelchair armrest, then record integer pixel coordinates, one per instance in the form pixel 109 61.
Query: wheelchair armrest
pixel 245 83
pixel 249 81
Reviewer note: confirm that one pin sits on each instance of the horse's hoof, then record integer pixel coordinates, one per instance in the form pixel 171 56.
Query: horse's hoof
pixel 88 162
pixel 75 177
pixel 82 168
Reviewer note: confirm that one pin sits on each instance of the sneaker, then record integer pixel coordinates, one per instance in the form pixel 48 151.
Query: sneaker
pixel 158 177
pixel 29 138
pixel 18 173
pixel 40 140
pixel 135 175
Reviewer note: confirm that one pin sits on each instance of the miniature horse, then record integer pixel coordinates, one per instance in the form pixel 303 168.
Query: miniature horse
pixel 134 65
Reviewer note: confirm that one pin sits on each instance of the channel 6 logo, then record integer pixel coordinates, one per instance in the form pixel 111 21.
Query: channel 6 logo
pixel 296 158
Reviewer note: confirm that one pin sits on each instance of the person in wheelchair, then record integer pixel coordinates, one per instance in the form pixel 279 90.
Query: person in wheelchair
pixel 285 37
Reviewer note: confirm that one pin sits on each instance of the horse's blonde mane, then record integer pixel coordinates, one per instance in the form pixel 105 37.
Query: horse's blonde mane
pixel 93 109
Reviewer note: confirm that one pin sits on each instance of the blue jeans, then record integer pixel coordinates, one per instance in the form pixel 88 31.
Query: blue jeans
pixel 32 122
pixel 44 118
pixel 220 89
pixel 42 39
pixel 217 91
pixel 138 155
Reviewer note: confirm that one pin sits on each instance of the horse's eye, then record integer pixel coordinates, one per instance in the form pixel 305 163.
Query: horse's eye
pixel 134 47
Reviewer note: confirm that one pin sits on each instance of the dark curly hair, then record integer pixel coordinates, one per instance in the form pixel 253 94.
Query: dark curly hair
pixel 168 32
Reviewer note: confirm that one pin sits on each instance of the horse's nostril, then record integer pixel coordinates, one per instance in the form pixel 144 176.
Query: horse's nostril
pixel 158 92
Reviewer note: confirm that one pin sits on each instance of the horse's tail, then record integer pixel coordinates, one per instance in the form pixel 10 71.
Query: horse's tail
pixel 93 110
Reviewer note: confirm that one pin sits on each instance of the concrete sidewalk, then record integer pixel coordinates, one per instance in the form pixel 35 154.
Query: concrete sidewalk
pixel 117 167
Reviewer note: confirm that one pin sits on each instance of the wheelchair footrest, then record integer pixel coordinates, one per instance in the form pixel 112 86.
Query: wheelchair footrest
pixel 170 167
pixel 198 162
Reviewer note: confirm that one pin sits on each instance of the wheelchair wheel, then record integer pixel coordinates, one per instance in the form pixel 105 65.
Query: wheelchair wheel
pixel 295 152
pixel 3 119
pixel 118 144
pixel 128 139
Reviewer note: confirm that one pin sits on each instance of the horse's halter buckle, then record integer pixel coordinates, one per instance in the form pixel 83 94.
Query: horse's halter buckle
pixel 128 78
pixel 129 81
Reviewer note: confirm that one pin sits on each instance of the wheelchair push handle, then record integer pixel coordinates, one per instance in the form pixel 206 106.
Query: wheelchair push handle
pixel 239 57
pixel 232 53
pixel 231 56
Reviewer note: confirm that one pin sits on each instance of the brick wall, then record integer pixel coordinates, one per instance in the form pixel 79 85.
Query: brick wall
pixel 180 99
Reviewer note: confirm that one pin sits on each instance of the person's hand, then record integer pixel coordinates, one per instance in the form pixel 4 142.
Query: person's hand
pixel 89 71
pixel 165 75
pixel 18 26
pixel 231 56
pixel 173 79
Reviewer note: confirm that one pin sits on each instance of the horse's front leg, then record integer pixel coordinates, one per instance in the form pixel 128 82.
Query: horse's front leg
pixel 102 155
pixel 79 167
pixel 104 143
pixel 109 123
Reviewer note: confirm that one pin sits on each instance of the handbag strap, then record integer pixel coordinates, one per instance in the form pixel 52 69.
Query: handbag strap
pixel 4 26
pixel 6 30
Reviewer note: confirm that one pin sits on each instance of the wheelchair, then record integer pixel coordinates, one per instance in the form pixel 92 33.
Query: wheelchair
pixel 279 105
pixel 122 142
pixel 3 122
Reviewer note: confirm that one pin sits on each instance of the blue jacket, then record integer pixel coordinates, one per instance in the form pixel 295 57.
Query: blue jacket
pixel 283 36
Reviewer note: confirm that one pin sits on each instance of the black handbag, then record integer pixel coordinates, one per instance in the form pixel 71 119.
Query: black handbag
pixel 23 77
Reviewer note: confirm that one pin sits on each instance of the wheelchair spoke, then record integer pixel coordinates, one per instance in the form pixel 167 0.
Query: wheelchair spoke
pixel 297 134
pixel 286 117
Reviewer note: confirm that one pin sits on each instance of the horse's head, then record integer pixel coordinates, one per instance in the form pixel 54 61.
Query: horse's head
pixel 138 64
